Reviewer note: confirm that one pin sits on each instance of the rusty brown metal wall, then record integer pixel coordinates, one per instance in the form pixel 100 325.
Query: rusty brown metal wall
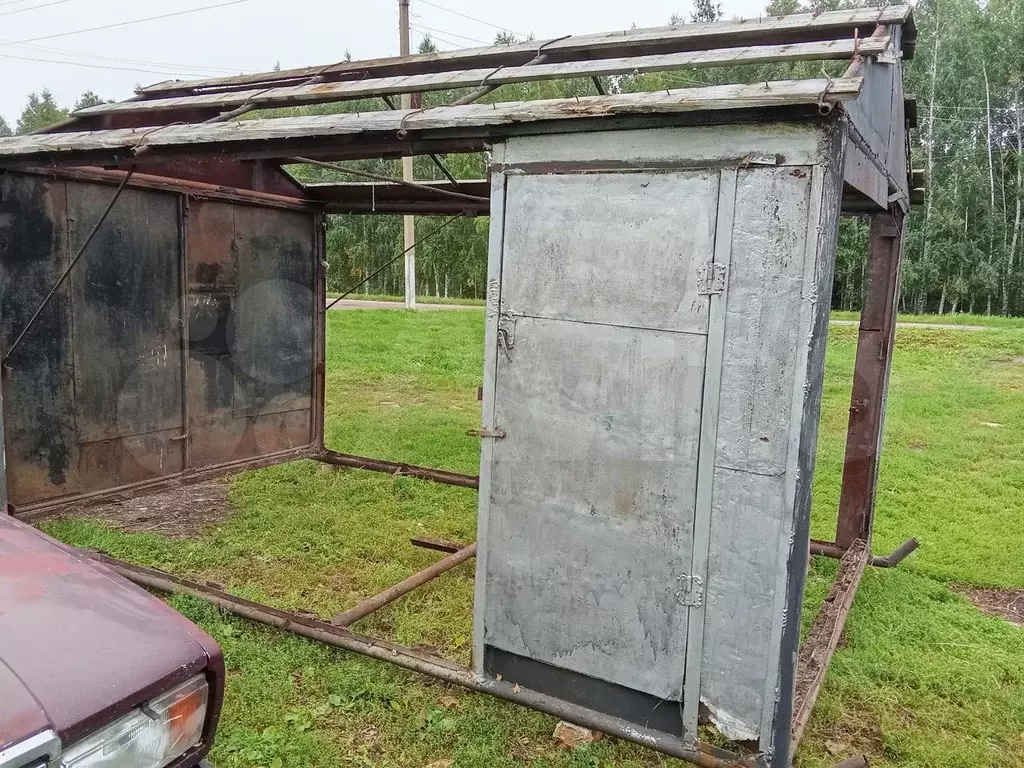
pixel 252 327
pixel 183 340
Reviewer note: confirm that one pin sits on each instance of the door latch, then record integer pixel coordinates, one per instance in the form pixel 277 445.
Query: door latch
pixel 497 434
pixel 691 590
pixel 711 279
pixel 507 333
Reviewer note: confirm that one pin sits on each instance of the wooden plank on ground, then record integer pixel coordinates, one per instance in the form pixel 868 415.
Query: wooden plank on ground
pixel 817 648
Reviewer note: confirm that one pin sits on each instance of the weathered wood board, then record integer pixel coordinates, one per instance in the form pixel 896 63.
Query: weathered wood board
pixel 657 307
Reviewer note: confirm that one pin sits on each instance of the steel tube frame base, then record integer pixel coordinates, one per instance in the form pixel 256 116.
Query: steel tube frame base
pixel 837 551
pixel 813 660
pixel 705 756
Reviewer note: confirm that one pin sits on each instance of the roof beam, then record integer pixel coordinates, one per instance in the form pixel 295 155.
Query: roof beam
pixel 383 197
pixel 799 28
pixel 876 160
pixel 398 130
pixel 341 91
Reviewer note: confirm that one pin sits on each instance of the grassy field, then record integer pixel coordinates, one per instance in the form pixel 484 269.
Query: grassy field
pixel 923 678
pixel 988 321
pixel 400 299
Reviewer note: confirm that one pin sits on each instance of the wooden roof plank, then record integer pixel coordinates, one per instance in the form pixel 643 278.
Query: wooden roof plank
pixel 279 135
pixel 656 40
pixel 345 90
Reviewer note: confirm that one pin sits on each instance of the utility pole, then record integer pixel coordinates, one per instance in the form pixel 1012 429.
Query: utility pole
pixel 409 222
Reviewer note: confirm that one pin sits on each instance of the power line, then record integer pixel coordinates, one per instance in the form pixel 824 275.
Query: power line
pixel 123 23
pixel 472 18
pixel 187 68
pixel 12 2
pixel 453 34
pixel 100 66
pixel 435 37
pixel 34 7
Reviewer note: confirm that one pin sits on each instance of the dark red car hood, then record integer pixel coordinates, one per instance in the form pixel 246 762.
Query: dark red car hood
pixel 79 645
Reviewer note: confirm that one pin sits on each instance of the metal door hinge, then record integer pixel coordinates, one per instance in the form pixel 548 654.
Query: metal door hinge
pixel 691 590
pixel 711 279
pixel 497 434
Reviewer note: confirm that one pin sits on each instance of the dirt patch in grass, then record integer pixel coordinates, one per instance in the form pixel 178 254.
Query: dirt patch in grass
pixel 178 513
pixel 1005 604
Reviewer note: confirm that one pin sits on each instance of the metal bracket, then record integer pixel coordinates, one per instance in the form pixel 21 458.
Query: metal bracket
pixel 497 434
pixel 711 279
pixel 507 333
pixel 691 590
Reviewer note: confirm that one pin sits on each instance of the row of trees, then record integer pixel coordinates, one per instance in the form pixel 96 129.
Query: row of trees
pixel 964 246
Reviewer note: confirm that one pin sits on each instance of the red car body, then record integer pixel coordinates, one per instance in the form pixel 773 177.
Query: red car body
pixel 80 647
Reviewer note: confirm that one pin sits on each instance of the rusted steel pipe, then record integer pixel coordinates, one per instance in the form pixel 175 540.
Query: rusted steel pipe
pixel 438 545
pixel 427 664
pixel 398 468
pixel 404 587
pixel 835 551
pixel 896 556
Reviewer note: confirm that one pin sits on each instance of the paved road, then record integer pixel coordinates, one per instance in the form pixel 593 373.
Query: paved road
pixel 938 326
pixel 361 304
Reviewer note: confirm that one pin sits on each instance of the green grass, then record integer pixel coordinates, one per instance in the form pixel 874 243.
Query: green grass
pixel 400 299
pixel 923 679
pixel 988 321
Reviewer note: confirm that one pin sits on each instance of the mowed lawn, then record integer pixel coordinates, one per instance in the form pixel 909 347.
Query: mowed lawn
pixel 922 678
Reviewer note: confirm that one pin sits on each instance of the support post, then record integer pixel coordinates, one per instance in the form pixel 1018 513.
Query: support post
pixel 871 379
pixel 408 222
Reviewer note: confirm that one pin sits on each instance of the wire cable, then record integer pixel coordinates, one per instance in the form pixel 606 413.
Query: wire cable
pixel 165 72
pixel 452 34
pixel 144 62
pixel 376 272
pixel 34 7
pixel 123 23
pixel 71 266
pixel 425 33
pixel 472 18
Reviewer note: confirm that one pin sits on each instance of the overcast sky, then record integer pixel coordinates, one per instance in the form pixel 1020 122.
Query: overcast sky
pixel 252 35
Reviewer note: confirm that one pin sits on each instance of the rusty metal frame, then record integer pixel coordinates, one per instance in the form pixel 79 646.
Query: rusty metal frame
pixel 856 514
pixel 875 339
pixel 815 652
pixel 852 545
pixel 814 655
pixel 318 415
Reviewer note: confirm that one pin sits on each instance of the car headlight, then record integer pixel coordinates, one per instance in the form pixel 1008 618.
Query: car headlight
pixel 148 737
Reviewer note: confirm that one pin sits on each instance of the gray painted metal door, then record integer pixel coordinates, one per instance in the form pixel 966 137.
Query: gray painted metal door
pixel 590 496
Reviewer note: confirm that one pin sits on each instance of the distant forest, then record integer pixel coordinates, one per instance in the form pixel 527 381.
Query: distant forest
pixel 964 245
